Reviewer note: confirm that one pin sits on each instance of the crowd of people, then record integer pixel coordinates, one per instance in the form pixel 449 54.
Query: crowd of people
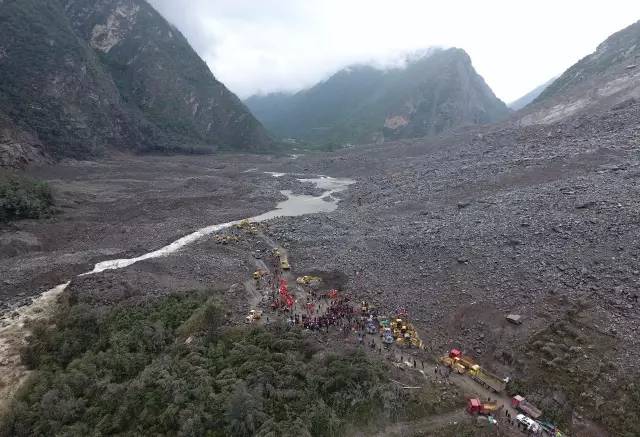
pixel 339 313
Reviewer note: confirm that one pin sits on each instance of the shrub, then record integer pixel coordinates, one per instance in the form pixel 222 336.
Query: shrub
pixel 22 198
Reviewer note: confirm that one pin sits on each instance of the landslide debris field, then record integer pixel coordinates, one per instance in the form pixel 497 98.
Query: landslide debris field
pixel 540 221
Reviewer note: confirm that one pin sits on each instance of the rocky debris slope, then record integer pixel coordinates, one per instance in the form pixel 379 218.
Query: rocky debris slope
pixel 468 229
pixel 608 77
pixel 78 77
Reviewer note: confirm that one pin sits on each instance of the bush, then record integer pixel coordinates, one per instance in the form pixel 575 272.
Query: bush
pixel 22 198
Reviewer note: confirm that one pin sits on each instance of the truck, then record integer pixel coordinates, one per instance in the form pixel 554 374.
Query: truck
pixel 521 404
pixel 528 423
pixel 464 360
pixel 284 262
pixel 475 407
pixel 487 378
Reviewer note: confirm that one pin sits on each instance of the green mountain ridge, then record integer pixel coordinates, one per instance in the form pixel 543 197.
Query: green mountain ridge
pixel 361 103
pixel 78 77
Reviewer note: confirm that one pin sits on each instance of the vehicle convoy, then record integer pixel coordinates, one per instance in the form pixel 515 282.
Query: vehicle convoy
pixel 463 364
pixel 475 406
pixel 521 404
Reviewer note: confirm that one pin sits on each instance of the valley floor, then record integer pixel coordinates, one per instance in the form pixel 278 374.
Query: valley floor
pixel 540 221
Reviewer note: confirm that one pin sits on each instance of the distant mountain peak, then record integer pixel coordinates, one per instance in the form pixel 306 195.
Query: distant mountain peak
pixel 432 91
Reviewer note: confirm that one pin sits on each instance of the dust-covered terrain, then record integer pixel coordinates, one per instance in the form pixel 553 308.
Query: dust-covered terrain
pixel 462 230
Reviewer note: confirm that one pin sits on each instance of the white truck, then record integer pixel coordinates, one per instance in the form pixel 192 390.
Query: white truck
pixel 528 423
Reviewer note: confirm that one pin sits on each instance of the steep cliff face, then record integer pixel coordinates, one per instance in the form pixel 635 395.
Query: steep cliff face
pixel 78 77
pixel 17 147
pixel 432 94
pixel 156 70
pixel 606 78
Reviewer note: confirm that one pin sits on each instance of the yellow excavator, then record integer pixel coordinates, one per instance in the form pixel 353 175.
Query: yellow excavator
pixel 308 279
pixel 405 333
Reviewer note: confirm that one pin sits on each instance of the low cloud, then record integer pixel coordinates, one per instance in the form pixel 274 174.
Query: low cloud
pixel 273 45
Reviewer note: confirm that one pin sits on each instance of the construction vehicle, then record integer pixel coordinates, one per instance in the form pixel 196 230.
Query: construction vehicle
pixel 246 225
pixel 308 279
pixel 475 407
pixel 405 333
pixel 225 239
pixel 487 379
pixel 521 404
pixel 259 274
pixel 284 262
pixel 463 364
pixel 253 316
pixel 453 364
pixel 464 360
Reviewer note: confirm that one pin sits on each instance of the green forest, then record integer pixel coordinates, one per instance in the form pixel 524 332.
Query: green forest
pixel 175 366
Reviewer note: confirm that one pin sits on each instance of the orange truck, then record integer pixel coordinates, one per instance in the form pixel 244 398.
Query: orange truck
pixel 475 407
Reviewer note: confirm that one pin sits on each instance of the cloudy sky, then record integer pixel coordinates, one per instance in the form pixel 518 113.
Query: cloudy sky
pixel 270 45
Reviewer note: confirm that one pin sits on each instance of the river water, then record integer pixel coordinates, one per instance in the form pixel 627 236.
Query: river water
pixel 295 205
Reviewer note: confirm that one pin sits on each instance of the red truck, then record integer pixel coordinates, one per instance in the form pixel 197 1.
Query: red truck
pixel 521 404
pixel 475 406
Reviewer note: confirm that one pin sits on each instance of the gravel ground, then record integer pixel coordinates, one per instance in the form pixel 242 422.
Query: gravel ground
pixel 462 230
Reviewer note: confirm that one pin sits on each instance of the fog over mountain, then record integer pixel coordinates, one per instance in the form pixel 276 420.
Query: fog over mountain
pixel 288 45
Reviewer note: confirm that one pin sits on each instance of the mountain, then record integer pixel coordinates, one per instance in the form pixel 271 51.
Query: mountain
pixel 80 76
pixel 431 94
pixel 608 77
pixel 530 96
